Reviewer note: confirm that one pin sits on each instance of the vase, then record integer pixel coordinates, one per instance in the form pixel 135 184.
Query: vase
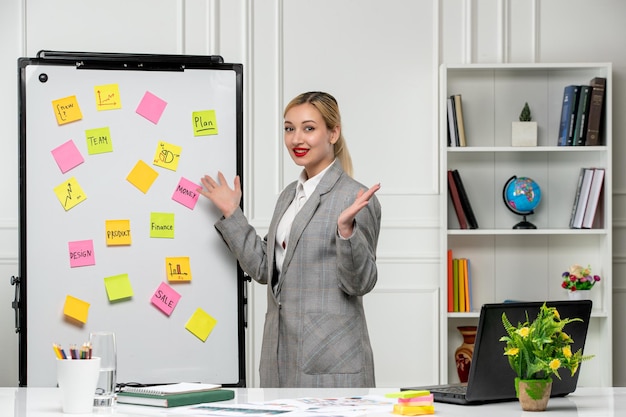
pixel 463 354
pixel 533 394
pixel 579 295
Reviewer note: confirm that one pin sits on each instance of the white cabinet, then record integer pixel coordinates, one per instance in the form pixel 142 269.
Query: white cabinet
pixel 509 263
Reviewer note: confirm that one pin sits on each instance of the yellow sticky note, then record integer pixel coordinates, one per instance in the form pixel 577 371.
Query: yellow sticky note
pixel 407 394
pixel 118 287
pixel 69 193
pixel 76 308
pixel 142 176
pixel 167 155
pixel 200 324
pixel 178 268
pixel 98 140
pixel 118 232
pixel 204 123
pixel 66 110
pixel 107 97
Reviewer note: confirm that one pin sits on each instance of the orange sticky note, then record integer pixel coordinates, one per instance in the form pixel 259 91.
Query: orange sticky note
pixel 142 176
pixel 76 308
pixel 178 268
pixel 66 110
pixel 118 232
pixel 118 287
pixel 200 324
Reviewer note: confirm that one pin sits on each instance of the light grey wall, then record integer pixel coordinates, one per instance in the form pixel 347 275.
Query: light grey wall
pixel 380 59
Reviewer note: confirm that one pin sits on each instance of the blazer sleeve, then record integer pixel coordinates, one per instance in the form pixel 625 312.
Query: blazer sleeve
pixel 248 247
pixel 356 255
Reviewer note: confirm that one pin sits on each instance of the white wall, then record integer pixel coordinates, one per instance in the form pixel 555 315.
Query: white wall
pixel 380 59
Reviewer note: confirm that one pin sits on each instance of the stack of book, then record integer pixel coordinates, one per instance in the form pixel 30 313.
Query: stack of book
pixel 587 199
pixel 460 201
pixel 174 395
pixel 581 114
pixel 456 126
pixel 459 284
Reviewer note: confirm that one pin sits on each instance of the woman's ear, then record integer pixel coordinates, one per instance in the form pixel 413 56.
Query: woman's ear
pixel 334 134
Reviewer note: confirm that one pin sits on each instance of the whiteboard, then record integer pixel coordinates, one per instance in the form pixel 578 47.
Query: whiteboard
pixel 154 345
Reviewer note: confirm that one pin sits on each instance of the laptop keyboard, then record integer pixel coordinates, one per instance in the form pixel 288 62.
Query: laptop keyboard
pixel 454 389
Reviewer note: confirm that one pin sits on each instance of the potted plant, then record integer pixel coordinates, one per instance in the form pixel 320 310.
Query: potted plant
pixel 536 351
pixel 524 132
pixel 578 281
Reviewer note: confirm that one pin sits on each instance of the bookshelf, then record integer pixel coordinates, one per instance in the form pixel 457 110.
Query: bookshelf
pixel 524 264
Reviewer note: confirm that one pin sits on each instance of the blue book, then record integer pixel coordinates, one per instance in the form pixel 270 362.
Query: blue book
pixel 568 115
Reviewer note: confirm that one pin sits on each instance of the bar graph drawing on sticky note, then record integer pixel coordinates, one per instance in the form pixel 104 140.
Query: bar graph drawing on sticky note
pixel 178 268
pixel 118 287
pixel 200 324
pixel 76 309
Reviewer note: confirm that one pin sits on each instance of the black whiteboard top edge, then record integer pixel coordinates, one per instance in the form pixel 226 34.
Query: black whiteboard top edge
pixel 129 61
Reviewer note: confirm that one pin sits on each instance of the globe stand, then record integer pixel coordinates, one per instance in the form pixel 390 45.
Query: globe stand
pixel 524 224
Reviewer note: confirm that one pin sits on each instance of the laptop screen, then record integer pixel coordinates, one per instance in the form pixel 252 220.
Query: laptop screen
pixel 491 377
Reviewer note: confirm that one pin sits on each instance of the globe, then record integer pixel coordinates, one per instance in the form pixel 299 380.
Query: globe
pixel 521 195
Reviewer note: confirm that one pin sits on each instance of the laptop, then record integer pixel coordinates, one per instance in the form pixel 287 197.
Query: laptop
pixel 491 378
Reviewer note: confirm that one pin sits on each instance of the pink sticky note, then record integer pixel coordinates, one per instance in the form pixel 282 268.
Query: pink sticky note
pixel 165 298
pixel 151 107
pixel 81 253
pixel 186 193
pixel 67 156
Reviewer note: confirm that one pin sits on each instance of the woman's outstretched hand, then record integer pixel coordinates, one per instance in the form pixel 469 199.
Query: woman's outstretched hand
pixel 345 223
pixel 226 199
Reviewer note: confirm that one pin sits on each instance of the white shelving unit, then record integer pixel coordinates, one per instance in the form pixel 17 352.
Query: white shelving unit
pixel 523 264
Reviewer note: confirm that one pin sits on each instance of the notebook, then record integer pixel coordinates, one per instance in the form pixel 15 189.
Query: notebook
pixel 491 378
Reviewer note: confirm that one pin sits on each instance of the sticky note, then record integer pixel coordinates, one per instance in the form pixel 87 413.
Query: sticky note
pixel 162 225
pixel 76 308
pixel 178 268
pixel 200 324
pixel 408 394
pixel 424 399
pixel 151 107
pixel 66 110
pixel 118 232
pixel 406 410
pixel 107 97
pixel 167 155
pixel 70 193
pixel 142 176
pixel 81 253
pixel 118 287
pixel 98 140
pixel 204 123
pixel 67 156
pixel 186 193
pixel 165 298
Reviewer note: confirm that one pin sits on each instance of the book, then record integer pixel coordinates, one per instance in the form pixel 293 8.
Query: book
pixel 450 282
pixel 178 388
pixel 583 197
pixel 452 127
pixel 176 399
pixel 461 286
pixel 465 203
pixel 580 130
pixel 455 283
pixel 579 183
pixel 596 108
pixel 460 124
pixel 594 196
pixel 456 201
pixel 469 303
pixel 568 114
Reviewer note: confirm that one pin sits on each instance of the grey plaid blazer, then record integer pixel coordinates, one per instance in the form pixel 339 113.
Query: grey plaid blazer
pixel 315 331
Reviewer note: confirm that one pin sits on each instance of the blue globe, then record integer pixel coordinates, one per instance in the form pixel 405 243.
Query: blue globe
pixel 522 195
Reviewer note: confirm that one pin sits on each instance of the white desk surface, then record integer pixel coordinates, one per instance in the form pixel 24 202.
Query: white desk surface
pixel 585 402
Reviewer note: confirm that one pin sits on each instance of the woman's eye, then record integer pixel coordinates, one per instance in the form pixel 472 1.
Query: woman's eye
pixel 288 129
pixel 309 128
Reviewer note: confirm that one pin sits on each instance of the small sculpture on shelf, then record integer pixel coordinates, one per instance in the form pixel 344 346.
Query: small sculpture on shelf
pixel 521 195
pixel 524 132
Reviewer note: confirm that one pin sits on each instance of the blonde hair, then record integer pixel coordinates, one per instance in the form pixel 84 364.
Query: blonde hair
pixel 329 109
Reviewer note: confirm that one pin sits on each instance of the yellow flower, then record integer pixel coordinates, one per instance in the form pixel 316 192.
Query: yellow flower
pixel 512 351
pixel 567 352
pixel 556 314
pixel 524 331
pixel 555 364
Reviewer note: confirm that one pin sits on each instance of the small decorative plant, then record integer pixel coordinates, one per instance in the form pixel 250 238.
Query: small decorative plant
pixel 579 278
pixel 525 115
pixel 537 350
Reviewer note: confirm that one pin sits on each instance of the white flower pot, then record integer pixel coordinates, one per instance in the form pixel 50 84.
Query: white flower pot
pixel 579 295
pixel 524 133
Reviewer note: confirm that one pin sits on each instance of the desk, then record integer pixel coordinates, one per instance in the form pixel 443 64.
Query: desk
pixel 591 402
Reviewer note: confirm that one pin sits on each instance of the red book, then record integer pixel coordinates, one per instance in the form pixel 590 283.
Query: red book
pixel 456 201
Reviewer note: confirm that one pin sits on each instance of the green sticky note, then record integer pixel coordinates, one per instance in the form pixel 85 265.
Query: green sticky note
pixel 204 123
pixel 118 287
pixel 162 225
pixel 98 140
